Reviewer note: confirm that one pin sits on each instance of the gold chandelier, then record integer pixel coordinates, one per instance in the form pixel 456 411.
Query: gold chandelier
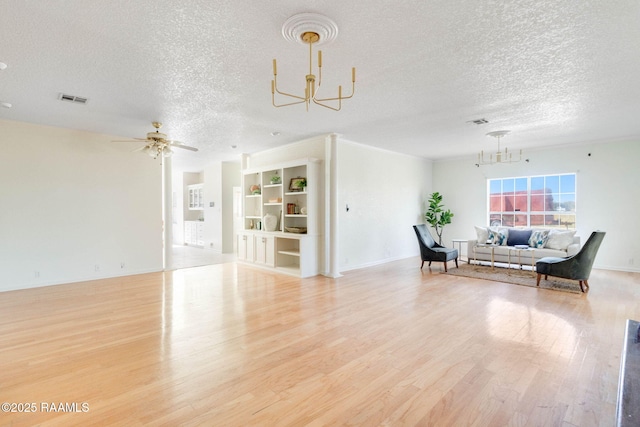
pixel 500 157
pixel 310 28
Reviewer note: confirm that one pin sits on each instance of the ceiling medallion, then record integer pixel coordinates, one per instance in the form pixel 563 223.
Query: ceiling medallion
pixel 310 29
pixel 500 157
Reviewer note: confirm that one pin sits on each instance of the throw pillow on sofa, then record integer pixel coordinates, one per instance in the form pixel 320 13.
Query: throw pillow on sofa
pixel 560 240
pixel 483 234
pixel 498 237
pixel 518 237
pixel 539 238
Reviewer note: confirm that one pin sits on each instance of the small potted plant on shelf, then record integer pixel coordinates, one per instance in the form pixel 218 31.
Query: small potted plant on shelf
pixel 298 184
pixel 275 179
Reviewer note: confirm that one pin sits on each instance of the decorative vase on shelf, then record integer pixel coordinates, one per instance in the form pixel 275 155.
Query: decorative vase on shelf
pixel 270 222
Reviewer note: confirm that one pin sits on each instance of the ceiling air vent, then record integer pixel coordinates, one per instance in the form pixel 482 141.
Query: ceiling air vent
pixel 71 98
pixel 479 121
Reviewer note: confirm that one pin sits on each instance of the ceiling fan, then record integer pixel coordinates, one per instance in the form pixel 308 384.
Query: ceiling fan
pixel 157 143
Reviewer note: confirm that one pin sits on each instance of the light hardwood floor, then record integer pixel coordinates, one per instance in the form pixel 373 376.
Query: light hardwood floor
pixel 231 345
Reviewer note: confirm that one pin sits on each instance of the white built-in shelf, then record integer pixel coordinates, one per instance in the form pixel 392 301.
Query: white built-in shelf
pixel 292 253
pixel 280 249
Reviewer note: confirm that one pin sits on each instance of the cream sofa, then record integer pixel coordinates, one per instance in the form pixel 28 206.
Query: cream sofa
pixel 540 242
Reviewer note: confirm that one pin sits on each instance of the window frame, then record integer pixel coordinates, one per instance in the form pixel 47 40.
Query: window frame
pixel 516 201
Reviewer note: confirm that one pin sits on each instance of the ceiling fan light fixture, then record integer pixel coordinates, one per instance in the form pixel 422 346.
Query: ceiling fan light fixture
pixel 158 144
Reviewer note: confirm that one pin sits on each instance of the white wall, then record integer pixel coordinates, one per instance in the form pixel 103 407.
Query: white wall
pixel 230 178
pixel 75 206
pixel 177 208
pixel 190 178
pixel 213 215
pixel 219 180
pixel 608 196
pixel 386 194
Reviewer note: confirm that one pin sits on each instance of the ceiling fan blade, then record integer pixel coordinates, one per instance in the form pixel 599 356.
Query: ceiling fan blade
pixel 179 144
pixel 130 140
pixel 186 147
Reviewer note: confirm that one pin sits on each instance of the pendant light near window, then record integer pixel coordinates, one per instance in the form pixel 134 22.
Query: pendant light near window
pixel 498 156
pixel 311 29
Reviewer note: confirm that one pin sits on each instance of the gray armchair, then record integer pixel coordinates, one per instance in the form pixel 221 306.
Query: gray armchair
pixel 430 250
pixel 576 267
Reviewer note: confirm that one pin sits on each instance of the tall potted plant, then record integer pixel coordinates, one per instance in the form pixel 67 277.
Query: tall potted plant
pixel 436 216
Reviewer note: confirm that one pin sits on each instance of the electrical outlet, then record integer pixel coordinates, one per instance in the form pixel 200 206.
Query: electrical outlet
pixel 122 265
pixel 36 274
pixel 96 267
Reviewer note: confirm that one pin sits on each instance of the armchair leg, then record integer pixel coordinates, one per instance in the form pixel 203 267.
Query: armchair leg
pixel 457 263
pixel 583 284
pixel 445 266
pixel 422 265
pixel 538 279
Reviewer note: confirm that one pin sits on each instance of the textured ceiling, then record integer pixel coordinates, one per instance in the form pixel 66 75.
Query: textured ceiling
pixel 551 72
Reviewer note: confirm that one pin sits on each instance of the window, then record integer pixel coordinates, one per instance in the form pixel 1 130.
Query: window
pixel 538 201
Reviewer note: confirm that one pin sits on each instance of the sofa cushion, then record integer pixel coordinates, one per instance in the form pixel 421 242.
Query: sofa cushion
pixel 483 234
pixel 498 237
pixel 518 237
pixel 560 240
pixel 538 238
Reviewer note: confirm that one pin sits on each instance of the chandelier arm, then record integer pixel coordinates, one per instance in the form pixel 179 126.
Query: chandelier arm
pixel 353 89
pixel 274 89
pixel 290 95
pixel 328 106
pixel 273 102
pixel 338 98
pixel 319 70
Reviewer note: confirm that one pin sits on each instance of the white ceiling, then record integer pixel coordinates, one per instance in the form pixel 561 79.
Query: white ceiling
pixel 553 72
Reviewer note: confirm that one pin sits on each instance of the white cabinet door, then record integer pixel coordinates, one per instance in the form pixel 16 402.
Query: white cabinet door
pixel 199 233
pixel 189 238
pixel 246 247
pixel 265 250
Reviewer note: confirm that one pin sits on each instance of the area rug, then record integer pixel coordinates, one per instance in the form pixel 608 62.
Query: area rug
pixel 514 276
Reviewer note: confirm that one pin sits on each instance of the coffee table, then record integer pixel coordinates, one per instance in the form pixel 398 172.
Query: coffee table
pixel 519 252
pixel 493 250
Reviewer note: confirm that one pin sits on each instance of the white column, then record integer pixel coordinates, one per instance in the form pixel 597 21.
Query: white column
pixel 167 212
pixel 332 174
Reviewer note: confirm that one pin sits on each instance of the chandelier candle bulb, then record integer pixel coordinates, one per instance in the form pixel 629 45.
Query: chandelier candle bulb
pixel 353 74
pixel 275 72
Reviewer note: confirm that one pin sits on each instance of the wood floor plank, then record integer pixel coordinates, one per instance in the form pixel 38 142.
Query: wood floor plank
pixel 388 345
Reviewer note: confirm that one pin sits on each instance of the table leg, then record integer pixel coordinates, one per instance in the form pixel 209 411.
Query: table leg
pixel 533 263
pixel 492 256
